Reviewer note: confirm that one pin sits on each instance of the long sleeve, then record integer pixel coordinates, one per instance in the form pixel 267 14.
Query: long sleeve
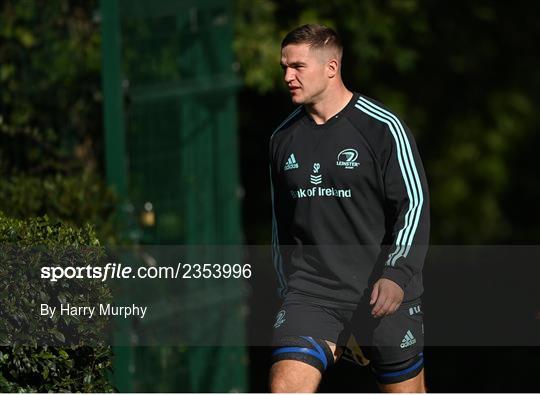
pixel 277 257
pixel 407 200
pixel 281 215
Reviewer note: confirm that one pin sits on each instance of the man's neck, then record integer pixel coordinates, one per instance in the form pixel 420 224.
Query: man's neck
pixel 329 105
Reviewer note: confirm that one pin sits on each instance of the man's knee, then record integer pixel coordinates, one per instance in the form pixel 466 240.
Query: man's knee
pixel 405 376
pixel 294 376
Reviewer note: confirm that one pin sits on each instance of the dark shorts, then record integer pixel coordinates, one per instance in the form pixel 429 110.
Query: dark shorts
pixel 391 339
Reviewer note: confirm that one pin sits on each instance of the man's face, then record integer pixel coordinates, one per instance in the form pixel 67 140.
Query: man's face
pixel 304 72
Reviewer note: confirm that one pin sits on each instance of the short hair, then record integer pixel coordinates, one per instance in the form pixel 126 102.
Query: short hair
pixel 315 36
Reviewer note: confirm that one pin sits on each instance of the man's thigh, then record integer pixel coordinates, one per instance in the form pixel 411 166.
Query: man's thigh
pixel 303 346
pixel 392 345
pixel 290 375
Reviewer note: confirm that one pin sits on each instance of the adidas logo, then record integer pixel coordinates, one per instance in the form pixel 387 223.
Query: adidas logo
pixel 291 163
pixel 408 340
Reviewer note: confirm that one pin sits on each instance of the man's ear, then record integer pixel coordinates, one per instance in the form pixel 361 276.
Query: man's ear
pixel 332 68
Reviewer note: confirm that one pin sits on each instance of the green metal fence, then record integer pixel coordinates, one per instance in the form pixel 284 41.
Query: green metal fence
pixel 171 153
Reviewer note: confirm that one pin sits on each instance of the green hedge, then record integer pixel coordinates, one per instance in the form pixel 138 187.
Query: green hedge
pixel 28 362
pixel 72 199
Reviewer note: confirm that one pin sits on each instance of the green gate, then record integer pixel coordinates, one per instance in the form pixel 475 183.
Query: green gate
pixel 171 154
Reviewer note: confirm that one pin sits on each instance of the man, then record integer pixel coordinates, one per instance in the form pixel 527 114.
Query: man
pixel 350 227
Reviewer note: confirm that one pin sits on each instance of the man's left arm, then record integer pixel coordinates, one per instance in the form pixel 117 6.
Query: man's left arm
pixel 407 200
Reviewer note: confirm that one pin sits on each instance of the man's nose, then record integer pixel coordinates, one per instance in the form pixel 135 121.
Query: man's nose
pixel 289 75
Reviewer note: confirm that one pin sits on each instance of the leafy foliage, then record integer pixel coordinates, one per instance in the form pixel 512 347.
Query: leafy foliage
pixel 50 118
pixel 76 200
pixel 50 149
pixel 27 361
pixel 49 71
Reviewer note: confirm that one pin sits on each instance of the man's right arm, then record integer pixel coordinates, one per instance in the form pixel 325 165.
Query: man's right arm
pixel 281 215
pixel 277 257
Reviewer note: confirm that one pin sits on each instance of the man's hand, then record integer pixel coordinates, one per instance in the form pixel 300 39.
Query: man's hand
pixel 386 296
